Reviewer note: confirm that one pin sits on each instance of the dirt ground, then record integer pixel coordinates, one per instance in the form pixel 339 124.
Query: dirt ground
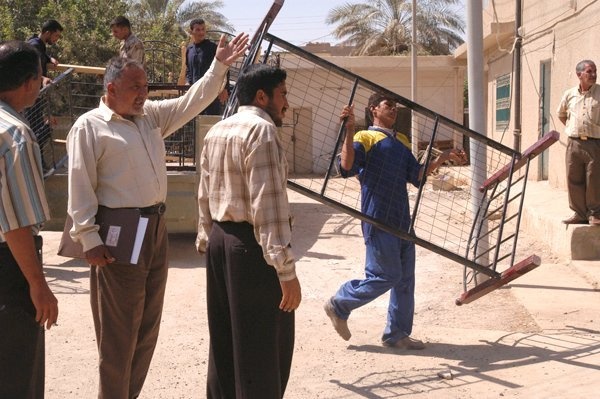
pixel 539 338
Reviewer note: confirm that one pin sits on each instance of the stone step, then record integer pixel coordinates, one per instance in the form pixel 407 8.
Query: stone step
pixel 542 216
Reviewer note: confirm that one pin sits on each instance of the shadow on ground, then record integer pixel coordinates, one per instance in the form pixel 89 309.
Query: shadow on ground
pixel 472 364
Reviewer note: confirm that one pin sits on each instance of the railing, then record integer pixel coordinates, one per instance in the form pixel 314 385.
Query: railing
pixel 163 61
pixel 77 90
pixel 54 104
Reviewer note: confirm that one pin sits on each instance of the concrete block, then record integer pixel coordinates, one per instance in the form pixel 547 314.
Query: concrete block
pixel 545 208
pixel 182 202
pixel 443 182
pixel 585 242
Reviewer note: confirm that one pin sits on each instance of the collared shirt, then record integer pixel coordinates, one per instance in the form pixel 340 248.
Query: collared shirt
pixel 133 48
pixel 120 163
pixel 392 133
pixel 582 111
pixel 39 44
pixel 22 196
pixel 244 179
pixel 198 58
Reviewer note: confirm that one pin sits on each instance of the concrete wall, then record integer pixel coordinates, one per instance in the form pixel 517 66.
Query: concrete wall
pixel 558 33
pixel 440 79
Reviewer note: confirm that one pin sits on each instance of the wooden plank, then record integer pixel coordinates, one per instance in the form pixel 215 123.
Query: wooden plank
pixel 492 284
pixel 536 149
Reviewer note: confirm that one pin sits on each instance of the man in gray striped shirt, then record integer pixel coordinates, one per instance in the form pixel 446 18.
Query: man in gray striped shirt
pixel 26 302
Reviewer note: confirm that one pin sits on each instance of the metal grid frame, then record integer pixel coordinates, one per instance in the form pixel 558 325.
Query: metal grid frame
pixel 475 222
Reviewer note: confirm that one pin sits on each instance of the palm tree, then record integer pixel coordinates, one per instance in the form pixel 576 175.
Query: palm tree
pixel 383 27
pixel 165 17
pixel 207 11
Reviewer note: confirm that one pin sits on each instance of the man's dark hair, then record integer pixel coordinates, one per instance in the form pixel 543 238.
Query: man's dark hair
pixel 196 21
pixel 19 62
pixel 376 98
pixel 258 77
pixel 51 25
pixel 120 21
pixel 115 69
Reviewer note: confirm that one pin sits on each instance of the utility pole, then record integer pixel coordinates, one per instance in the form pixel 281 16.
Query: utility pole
pixel 413 80
pixel 517 78
pixel 476 110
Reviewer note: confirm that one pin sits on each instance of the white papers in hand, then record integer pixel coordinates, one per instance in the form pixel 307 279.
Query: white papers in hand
pixel 139 239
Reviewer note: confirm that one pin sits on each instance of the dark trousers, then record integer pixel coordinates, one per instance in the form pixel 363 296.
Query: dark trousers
pixel 251 339
pixel 127 303
pixel 583 176
pixel 22 347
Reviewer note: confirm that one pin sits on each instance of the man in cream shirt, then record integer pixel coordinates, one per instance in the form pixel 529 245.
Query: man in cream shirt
pixel 117 160
pixel 579 111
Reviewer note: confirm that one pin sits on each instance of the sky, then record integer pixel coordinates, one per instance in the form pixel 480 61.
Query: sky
pixel 298 21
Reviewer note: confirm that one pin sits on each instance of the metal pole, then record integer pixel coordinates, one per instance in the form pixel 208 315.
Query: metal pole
pixel 413 53
pixel 476 108
pixel 413 80
pixel 517 78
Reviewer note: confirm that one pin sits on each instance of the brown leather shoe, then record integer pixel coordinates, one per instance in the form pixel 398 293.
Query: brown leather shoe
pixel 405 343
pixel 575 219
pixel 594 220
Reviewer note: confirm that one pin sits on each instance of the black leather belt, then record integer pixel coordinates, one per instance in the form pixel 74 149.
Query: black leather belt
pixel 157 209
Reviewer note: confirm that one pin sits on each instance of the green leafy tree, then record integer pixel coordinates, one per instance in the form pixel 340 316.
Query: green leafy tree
pixel 383 27
pixel 86 37
pixel 18 19
pixel 168 20
pixel 207 11
pixel 163 26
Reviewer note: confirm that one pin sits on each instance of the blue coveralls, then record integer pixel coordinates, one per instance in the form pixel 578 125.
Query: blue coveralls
pixel 384 166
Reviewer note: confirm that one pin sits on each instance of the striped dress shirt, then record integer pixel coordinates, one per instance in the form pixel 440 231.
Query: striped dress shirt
pixel 22 196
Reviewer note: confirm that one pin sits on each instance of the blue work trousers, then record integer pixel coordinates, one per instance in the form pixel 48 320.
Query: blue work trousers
pixel 390 265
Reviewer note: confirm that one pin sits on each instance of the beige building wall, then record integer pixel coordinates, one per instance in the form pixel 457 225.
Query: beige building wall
pixel 440 79
pixel 556 35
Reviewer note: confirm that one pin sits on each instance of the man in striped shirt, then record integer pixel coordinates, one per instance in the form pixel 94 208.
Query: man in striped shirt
pixel 26 302
pixel 245 229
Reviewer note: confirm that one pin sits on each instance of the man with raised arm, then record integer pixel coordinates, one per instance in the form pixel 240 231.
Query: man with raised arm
pixel 117 160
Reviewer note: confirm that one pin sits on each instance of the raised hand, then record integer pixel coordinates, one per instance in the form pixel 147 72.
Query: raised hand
pixel 227 53
pixel 457 157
